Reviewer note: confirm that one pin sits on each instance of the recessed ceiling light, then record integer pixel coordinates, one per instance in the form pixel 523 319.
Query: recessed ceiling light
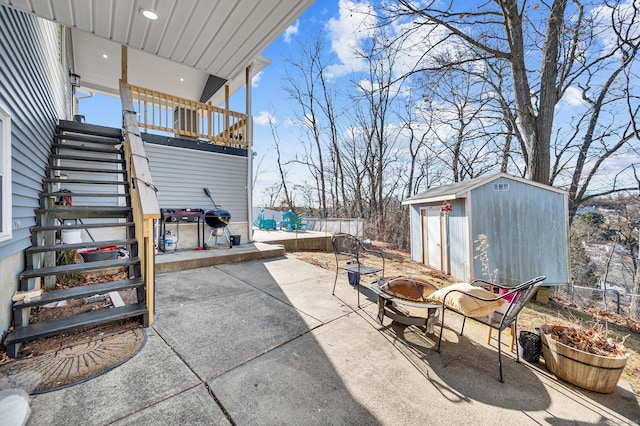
pixel 105 56
pixel 181 79
pixel 149 14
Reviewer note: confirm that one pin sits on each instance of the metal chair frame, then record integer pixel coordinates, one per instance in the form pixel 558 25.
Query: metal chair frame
pixel 517 298
pixel 351 256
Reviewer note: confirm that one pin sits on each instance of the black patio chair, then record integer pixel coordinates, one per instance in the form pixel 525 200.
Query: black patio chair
pixel 353 257
pixel 502 317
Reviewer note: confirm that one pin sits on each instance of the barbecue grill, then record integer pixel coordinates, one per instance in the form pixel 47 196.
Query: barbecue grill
pixel 218 220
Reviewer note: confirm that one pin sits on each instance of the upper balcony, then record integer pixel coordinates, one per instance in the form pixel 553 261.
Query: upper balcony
pixel 179 117
pixel 182 65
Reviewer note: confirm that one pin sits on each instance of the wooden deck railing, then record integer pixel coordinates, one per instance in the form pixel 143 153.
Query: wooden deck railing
pixel 144 201
pixel 187 118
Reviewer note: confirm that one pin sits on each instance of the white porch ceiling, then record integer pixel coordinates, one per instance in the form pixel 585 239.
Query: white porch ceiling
pixel 199 37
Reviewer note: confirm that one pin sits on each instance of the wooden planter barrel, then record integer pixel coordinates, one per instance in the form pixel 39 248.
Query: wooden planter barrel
pixel 589 371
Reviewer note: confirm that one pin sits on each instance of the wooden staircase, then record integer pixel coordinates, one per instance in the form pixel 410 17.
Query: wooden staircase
pixel 86 188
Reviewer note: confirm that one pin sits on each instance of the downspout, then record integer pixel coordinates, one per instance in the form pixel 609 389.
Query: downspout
pixel 248 91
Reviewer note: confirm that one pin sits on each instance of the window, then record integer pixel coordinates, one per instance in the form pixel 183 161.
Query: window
pixel 500 186
pixel 5 175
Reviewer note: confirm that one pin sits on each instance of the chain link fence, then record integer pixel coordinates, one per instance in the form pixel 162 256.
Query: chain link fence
pixel 624 304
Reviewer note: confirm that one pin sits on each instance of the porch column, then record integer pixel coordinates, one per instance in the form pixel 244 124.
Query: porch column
pixel 249 154
pixel 124 57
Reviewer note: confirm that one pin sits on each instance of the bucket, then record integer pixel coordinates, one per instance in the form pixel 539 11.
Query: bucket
pixel 71 236
pixel 235 240
pixel 589 371
pixel 354 278
pixel 529 346
pixel 102 253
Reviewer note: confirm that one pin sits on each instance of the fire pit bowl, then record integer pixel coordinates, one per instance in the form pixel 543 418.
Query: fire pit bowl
pixel 406 288
pixel 397 295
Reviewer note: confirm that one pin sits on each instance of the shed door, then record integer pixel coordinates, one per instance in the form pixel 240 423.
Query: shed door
pixel 431 230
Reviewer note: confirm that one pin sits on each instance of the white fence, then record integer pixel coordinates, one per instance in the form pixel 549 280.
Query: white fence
pixel 329 225
pixel 334 225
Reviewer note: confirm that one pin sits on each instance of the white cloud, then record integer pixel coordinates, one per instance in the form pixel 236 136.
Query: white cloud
pixel 263 118
pixel 573 97
pixel 291 31
pixel 355 22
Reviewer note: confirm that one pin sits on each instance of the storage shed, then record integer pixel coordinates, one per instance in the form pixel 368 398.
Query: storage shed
pixel 525 223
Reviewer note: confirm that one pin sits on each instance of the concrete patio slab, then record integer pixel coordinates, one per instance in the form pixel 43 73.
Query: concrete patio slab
pixel 156 374
pixel 265 342
pixel 192 286
pixel 192 407
pixel 290 283
pixel 217 334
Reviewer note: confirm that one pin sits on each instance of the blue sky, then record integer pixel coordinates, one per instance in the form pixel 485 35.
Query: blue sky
pixel 267 93
pixel 343 30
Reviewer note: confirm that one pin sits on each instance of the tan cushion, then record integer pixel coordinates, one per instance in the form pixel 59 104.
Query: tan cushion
pixel 468 305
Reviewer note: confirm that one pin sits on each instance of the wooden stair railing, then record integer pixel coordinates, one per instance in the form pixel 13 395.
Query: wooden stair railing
pixel 144 200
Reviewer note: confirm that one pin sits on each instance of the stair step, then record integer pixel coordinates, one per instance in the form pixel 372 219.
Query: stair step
pixel 95 140
pixel 81 212
pixel 79 267
pixel 81 226
pixel 87 181
pixel 86 148
pixel 50 328
pixel 80 194
pixel 85 244
pixel 84 169
pixel 89 129
pixel 82 158
pixel 78 292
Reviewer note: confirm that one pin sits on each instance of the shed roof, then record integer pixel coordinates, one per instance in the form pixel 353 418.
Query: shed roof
pixel 462 189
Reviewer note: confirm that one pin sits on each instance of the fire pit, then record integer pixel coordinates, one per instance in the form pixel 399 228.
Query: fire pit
pixel 398 292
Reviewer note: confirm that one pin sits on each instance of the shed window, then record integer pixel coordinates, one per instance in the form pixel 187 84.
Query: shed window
pixel 500 186
pixel 5 175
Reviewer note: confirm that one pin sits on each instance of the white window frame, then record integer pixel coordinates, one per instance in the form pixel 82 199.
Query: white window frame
pixel 5 172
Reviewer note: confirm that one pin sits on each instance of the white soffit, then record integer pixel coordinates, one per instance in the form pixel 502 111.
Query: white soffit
pixel 218 37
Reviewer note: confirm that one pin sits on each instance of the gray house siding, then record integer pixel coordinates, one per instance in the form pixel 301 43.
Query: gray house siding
pixel 181 174
pixel 34 90
pixel 525 228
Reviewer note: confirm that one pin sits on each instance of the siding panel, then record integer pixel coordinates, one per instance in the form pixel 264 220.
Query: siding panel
pixel 526 231
pixel 181 174
pixel 35 91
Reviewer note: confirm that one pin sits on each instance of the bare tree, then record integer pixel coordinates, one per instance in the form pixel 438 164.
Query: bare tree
pixel 280 162
pixel 552 50
pixel 309 86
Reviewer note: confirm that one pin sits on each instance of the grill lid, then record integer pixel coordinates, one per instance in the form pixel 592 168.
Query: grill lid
pixel 217 218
